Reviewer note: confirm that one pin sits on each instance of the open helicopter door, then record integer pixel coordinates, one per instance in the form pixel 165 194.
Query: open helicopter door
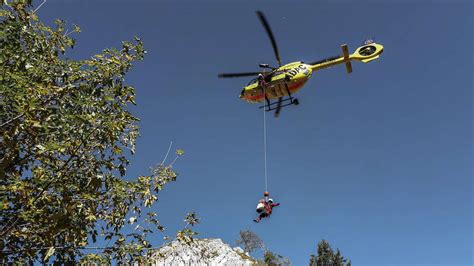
pixel 345 52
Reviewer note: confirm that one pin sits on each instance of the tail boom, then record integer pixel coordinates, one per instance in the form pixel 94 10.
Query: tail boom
pixel 364 53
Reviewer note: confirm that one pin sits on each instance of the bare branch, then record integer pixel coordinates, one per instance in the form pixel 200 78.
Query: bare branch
pixel 11 120
pixel 166 156
pixel 44 1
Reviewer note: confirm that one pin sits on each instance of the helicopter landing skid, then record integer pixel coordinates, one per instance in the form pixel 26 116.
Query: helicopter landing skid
pixel 285 102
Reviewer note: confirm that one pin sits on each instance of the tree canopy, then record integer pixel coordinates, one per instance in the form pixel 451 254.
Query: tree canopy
pixel 250 241
pixel 327 257
pixel 65 136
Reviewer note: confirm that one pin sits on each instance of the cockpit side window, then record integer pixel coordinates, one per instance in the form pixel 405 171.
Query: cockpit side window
pixel 276 73
pixel 252 81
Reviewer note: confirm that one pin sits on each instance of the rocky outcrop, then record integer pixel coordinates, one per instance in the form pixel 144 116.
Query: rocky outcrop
pixel 201 252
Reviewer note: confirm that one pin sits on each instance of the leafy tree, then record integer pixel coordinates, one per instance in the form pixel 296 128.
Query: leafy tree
pixel 250 241
pixel 327 257
pixel 186 235
pixel 65 134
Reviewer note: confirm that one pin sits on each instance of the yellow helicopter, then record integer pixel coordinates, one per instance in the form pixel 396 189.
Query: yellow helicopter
pixel 284 80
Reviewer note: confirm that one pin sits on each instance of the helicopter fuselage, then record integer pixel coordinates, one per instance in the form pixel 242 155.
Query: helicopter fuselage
pixel 288 79
pixel 280 82
pixel 291 77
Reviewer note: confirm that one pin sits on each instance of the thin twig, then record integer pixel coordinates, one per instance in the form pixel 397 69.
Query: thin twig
pixel 6 3
pixel 171 164
pixel 67 33
pixel 64 247
pixel 11 120
pixel 44 1
pixel 166 156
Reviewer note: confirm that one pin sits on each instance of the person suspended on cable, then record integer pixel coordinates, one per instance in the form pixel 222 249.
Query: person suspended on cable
pixel 266 211
pixel 262 80
pixel 265 207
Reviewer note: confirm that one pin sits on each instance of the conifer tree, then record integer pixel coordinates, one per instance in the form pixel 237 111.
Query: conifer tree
pixel 327 257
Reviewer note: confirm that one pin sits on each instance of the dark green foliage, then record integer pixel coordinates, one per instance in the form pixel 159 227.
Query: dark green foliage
pixel 270 258
pixel 327 257
pixel 273 259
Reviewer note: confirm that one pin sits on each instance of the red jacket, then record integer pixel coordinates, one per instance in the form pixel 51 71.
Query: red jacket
pixel 269 207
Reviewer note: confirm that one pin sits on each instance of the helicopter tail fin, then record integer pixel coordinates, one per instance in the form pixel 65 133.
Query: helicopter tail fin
pixel 345 52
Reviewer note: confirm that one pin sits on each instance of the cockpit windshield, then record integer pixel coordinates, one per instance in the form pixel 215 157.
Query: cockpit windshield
pixel 252 81
pixel 276 73
pixel 268 77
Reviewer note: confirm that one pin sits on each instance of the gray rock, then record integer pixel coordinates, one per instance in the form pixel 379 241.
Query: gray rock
pixel 201 252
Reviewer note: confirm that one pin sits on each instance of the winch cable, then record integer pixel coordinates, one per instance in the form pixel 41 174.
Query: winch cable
pixel 265 138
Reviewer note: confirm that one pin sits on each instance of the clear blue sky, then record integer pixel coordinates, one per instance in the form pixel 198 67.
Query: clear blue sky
pixel 378 162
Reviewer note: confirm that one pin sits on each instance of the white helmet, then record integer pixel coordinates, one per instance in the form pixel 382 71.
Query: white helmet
pixel 270 200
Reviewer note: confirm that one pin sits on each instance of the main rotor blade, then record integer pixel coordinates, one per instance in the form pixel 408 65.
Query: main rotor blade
pixel 237 75
pixel 278 109
pixel 265 24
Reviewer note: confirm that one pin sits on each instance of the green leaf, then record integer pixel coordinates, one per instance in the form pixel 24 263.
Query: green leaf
pixel 4 13
pixel 77 28
pixel 49 254
pixel 108 98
